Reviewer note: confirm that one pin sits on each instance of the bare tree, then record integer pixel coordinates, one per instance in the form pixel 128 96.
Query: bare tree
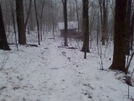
pixel 3 39
pixel 77 12
pixel 132 31
pixel 37 22
pixel 14 24
pixel 103 12
pixel 20 22
pixel 119 36
pixel 41 17
pixel 28 13
pixel 65 21
pixel 71 12
pixel 85 47
pixel 128 27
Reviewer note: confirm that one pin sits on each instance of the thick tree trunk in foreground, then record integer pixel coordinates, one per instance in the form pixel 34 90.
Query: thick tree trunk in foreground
pixel 3 39
pixel 119 36
pixel 132 31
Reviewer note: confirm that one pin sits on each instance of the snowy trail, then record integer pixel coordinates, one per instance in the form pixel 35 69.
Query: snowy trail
pixel 61 76
pixel 50 73
pixel 45 76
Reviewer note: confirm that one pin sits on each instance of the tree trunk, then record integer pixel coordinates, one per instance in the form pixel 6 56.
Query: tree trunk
pixel 28 13
pixel 3 39
pixel 128 27
pixel 20 22
pixel 98 30
pixel 85 47
pixel 77 12
pixel 53 21
pixel 119 36
pixel 37 22
pixel 41 19
pixel 65 21
pixel 132 31
pixel 103 12
pixel 14 24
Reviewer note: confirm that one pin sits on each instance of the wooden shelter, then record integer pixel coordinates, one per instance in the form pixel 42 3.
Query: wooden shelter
pixel 72 29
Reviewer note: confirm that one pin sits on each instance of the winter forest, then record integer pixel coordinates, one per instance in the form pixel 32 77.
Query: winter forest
pixel 66 50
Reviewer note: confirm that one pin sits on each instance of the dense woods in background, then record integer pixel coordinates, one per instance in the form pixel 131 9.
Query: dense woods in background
pixel 102 21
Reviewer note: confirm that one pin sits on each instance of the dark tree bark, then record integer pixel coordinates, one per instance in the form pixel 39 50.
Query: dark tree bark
pixel 85 47
pixel 20 22
pixel 132 31
pixel 41 19
pixel 53 21
pixel 65 21
pixel 119 36
pixel 128 27
pixel 3 39
pixel 98 30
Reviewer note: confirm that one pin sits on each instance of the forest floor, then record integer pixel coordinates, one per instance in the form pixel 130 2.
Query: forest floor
pixel 50 72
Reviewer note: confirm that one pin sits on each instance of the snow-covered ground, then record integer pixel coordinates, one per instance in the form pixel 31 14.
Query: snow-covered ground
pixel 53 73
